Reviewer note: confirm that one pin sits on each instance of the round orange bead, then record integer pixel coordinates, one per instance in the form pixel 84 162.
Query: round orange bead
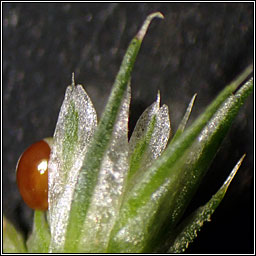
pixel 32 175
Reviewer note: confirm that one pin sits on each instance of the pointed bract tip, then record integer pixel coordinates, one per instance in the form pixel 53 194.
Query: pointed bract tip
pixel 140 35
pixel 156 15
pixel 194 97
pixel 73 80
pixel 233 173
pixel 158 98
pixel 191 104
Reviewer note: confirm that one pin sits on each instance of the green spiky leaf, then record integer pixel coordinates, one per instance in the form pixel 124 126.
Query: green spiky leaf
pixel 184 121
pixel 187 230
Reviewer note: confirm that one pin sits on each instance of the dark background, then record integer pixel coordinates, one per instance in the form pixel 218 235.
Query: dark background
pixel 198 47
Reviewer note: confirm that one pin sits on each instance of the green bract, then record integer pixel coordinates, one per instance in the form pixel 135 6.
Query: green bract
pixel 111 195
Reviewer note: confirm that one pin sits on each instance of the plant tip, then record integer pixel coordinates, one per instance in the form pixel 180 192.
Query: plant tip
pixel 140 35
pixel 234 171
pixel 73 80
pixel 158 97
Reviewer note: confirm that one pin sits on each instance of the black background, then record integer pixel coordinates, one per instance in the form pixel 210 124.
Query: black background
pixel 198 47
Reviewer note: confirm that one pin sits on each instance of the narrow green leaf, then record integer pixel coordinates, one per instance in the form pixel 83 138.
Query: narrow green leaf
pixel 88 176
pixel 39 239
pixel 187 230
pixel 167 187
pixel 184 120
pixel 107 196
pixel 13 241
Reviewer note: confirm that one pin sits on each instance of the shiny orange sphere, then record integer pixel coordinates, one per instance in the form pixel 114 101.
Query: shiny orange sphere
pixel 32 175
